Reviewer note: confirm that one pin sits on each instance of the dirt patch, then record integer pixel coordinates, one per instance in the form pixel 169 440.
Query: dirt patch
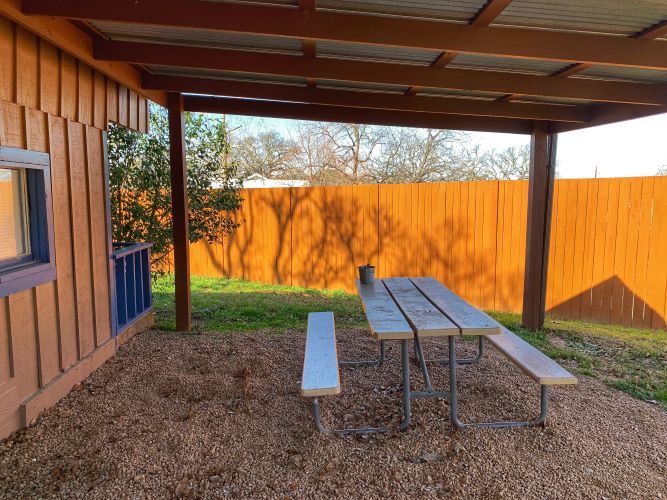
pixel 210 416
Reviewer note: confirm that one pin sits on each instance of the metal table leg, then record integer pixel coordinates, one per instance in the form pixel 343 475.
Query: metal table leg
pixel 407 402
pixel 371 362
pixel 463 361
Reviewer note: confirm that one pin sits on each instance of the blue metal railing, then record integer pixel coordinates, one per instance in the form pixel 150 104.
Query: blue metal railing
pixel 132 279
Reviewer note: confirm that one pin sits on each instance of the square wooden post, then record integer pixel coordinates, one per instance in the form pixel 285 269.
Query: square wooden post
pixel 179 210
pixel 540 200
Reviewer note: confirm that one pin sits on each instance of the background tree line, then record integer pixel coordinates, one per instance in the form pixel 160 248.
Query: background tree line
pixel 343 153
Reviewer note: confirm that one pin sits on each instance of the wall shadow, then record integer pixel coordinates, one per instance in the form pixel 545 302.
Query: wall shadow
pixel 610 302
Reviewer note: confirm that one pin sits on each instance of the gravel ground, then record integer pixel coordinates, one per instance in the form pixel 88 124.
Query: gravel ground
pixel 210 416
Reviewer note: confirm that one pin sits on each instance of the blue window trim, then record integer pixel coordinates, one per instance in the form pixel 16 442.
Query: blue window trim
pixel 40 267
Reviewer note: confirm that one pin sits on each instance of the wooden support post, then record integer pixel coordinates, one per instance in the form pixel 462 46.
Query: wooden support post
pixel 179 209
pixel 540 198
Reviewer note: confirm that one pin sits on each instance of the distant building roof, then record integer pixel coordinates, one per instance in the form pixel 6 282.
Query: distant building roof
pixel 259 181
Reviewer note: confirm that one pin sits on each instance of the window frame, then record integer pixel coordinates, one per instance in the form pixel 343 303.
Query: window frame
pixel 21 273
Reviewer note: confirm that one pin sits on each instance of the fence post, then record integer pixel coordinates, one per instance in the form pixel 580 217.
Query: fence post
pixel 540 200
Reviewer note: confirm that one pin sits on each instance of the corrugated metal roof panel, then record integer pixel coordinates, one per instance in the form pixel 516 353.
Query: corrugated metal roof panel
pixel 616 17
pixel 552 100
pixel 361 87
pixel 291 3
pixel 196 37
pixel 381 53
pixel 224 75
pixel 468 94
pixel 625 74
pixel 492 63
pixel 446 10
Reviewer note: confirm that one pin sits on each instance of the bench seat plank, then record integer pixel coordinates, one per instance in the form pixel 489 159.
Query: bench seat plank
pixel 384 317
pixel 424 317
pixel 320 365
pixel 469 319
pixel 531 360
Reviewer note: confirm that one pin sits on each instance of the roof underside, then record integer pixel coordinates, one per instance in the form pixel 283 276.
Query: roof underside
pixel 352 56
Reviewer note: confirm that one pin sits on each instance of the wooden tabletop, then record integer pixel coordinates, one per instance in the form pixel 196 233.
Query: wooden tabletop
pixel 398 308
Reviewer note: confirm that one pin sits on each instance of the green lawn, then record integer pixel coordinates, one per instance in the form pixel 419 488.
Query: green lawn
pixel 629 359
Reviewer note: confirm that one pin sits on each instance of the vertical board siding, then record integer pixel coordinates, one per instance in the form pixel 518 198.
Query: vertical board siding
pixel 605 260
pixel 52 103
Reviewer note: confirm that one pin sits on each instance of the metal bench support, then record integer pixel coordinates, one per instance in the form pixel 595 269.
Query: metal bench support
pixel 360 430
pixel 453 402
pixel 371 362
pixel 463 361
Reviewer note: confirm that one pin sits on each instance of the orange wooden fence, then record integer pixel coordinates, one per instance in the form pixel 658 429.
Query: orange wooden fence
pixel 608 258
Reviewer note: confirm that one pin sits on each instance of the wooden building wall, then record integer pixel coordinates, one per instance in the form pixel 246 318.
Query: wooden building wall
pixel 54 335
pixel 606 261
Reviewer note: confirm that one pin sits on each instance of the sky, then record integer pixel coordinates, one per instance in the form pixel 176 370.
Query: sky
pixel 625 149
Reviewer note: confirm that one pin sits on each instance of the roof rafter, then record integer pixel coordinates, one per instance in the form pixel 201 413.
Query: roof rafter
pixel 358 28
pixel 382 73
pixel 300 111
pixel 371 100
pixel 491 10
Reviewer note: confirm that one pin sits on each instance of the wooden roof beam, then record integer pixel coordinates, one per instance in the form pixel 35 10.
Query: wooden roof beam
pixel 611 113
pixel 491 10
pixel 371 100
pixel 382 73
pixel 359 28
pixel 316 112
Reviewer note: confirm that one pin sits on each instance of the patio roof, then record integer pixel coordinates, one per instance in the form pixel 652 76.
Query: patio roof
pixel 522 66
pixel 499 65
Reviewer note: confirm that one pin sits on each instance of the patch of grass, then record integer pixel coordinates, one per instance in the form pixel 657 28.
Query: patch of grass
pixel 630 359
pixel 229 305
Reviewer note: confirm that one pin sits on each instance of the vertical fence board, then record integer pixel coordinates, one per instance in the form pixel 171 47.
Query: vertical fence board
pixel 656 287
pixel 642 315
pixel 622 227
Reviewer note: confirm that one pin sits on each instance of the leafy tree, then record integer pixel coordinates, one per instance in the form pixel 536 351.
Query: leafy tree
pixel 141 188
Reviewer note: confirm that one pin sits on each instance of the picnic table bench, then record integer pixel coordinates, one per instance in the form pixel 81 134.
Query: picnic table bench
pixel 404 309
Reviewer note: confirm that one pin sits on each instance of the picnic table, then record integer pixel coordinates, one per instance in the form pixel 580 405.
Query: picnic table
pixel 407 309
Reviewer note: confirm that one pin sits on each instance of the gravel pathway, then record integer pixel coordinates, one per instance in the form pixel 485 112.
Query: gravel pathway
pixel 210 416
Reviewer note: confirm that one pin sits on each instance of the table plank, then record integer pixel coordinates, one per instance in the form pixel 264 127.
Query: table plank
pixel 424 317
pixel 384 317
pixel 469 319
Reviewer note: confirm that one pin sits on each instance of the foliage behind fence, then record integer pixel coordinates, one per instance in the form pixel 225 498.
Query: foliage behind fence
pixel 607 263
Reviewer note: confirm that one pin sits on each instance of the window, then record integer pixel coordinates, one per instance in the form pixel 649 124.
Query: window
pixel 26 226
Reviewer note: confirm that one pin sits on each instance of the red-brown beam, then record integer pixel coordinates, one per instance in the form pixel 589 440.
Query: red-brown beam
pixel 490 12
pixel 371 100
pixel 179 210
pixel 359 28
pixel 484 17
pixel 383 73
pixel 343 114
